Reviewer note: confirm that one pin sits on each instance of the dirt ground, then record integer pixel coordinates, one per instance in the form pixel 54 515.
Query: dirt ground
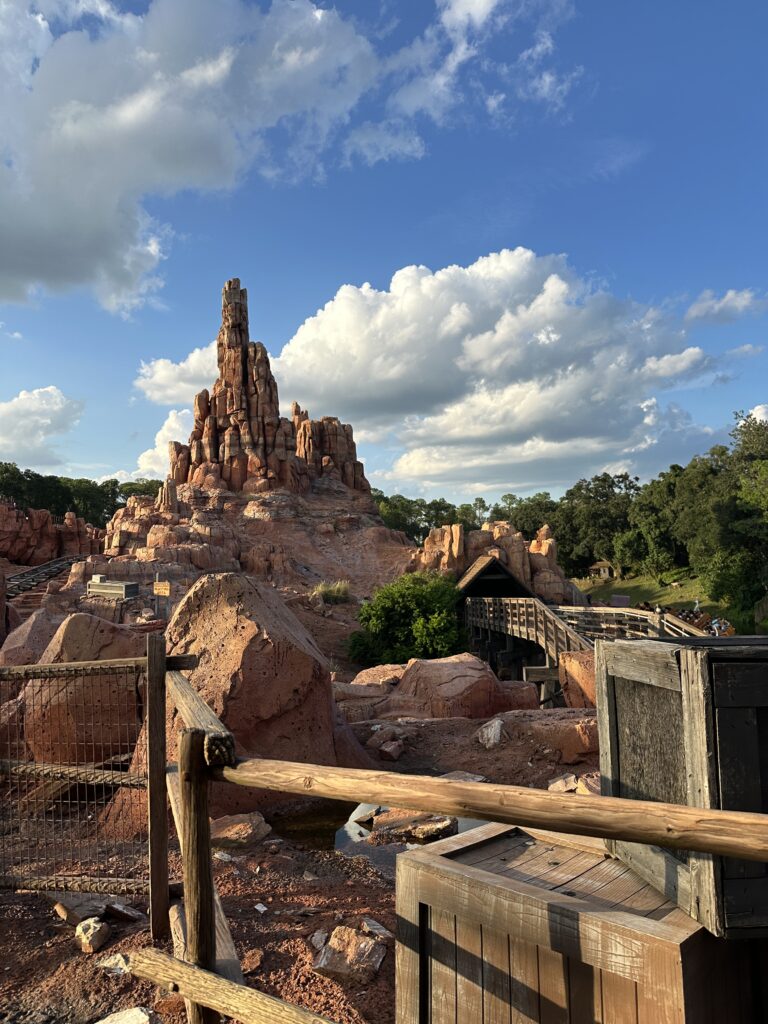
pixel 44 978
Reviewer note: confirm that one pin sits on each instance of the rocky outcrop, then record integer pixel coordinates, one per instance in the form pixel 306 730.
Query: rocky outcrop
pixel 81 718
pixel 240 442
pixel 576 670
pixel 452 549
pixel 25 644
pixel 31 537
pixel 3 612
pixel 461 686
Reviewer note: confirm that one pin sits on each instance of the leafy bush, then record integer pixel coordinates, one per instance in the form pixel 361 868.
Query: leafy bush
pixel 332 593
pixel 413 617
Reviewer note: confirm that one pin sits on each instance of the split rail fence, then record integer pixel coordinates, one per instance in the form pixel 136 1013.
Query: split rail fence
pixel 205 969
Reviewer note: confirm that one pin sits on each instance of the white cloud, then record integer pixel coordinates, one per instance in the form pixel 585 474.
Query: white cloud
pixel 167 383
pixel 30 423
pixel 153 462
pixel 101 109
pixel 730 306
pixel 745 351
pixel 760 412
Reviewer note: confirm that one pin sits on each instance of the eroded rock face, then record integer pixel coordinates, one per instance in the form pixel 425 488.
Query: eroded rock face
pixel 452 549
pixel 263 675
pixel 577 678
pixel 25 644
pixel 84 718
pixel 240 441
pixel 31 537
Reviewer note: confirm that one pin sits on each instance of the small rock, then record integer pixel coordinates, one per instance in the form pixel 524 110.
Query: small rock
pixel 350 956
pixel 116 964
pixel 372 927
pixel 589 784
pixel 123 912
pixel 391 751
pixel 309 876
pixel 491 734
pixel 365 814
pixel 382 734
pixel 136 1015
pixel 92 934
pixel 239 830
pixel 252 960
pixel 318 939
pixel 220 855
pixel 73 908
pixel 566 783
pixel 261 908
pixel 404 826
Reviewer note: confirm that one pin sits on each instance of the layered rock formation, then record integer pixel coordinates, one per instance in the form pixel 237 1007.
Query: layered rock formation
pixel 452 549
pixel 31 537
pixel 240 441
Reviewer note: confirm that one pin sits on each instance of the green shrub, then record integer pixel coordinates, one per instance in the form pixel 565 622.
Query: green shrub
pixel 413 617
pixel 332 593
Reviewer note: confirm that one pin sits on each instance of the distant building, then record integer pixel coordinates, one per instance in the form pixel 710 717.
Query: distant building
pixel 601 571
pixel 488 577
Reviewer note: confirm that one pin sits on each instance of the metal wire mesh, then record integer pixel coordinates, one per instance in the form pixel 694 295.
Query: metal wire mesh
pixel 73 778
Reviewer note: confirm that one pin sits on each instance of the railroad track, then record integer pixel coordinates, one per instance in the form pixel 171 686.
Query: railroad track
pixel 22 582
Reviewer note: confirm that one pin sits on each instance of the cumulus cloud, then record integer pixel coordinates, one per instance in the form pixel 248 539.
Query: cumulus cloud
pixel 511 369
pixel 166 383
pixel 30 423
pixel 102 108
pixel 760 412
pixel 153 462
pixel 729 306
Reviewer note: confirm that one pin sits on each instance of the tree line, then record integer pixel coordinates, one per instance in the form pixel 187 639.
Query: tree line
pixel 94 502
pixel 710 516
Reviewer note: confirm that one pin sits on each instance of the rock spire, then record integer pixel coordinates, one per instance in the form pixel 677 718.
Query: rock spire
pixel 240 441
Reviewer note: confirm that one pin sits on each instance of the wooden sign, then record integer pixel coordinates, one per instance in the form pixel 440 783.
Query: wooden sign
pixel 162 588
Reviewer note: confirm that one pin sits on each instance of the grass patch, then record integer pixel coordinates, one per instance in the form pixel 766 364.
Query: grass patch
pixel 332 593
pixel 645 588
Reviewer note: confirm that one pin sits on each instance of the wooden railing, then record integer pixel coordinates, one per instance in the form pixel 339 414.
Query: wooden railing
pixel 204 968
pixel 526 618
pixel 558 628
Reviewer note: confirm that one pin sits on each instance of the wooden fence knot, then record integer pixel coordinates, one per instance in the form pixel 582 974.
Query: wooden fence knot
pixel 308 782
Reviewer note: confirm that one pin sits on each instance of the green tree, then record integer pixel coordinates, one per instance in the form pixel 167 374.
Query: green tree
pixel 413 617
pixel 527 514
pixel 143 487
pixel 656 563
pixel 629 551
pixel 589 516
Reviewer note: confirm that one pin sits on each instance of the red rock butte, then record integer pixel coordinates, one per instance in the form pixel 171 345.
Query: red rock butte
pixel 240 441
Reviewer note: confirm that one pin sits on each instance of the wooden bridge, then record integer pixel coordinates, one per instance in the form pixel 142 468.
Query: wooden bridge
pixel 558 628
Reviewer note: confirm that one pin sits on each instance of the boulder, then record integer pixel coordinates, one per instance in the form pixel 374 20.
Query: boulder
pixel 25 645
pixel 349 956
pixel 237 831
pixel 396 825
pixel 381 677
pixel 577 678
pixel 12 742
pixel 91 934
pixel 491 734
pixel 461 686
pixel 263 675
pixel 84 718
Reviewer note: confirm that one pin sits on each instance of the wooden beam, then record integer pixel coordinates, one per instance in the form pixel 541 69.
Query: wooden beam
pixel 237 1001
pixel 70 668
pixel 156 797
pixel 219 743
pixel 179 662
pixel 196 863
pixel 731 833
pixel 227 961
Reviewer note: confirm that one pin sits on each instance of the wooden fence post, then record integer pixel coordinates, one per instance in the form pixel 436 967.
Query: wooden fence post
pixel 196 862
pixel 156 792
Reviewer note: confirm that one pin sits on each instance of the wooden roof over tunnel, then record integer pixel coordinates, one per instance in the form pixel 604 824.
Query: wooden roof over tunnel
pixel 489 577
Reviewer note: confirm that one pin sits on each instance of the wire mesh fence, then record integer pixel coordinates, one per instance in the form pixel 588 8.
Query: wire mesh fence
pixel 73 777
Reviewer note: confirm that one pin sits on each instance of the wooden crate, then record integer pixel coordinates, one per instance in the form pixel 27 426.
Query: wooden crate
pixel 496 927
pixel 687 722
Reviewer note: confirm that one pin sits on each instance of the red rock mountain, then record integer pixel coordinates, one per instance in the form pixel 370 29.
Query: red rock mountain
pixel 240 441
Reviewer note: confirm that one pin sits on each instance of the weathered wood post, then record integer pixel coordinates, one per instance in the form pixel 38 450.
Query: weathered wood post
pixel 196 862
pixel 156 792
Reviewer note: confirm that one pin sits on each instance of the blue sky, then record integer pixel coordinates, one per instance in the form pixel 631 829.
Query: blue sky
pixel 583 187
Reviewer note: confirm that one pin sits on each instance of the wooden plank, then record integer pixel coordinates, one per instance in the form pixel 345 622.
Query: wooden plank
pixel 469 972
pixel 178 927
pixel 524 984
pixel 605 700
pixel 442 962
pixel 411 950
pixel 733 833
pixel 66 775
pixel 219 745
pixel 181 662
pixel 587 844
pixel 609 939
pixel 465 841
pixel 700 759
pixel 742 684
pixel 585 993
pixel 645 661
pixel 496 1007
pixel 553 987
pixel 227 961
pixel 156 796
pixel 738 767
pixel 670 876
pixel 203 987
pixel 196 863
pixel 619 999
pixel 71 668
pixel 746 903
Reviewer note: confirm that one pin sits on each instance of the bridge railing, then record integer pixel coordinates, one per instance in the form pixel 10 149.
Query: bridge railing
pixel 630 623
pixel 527 618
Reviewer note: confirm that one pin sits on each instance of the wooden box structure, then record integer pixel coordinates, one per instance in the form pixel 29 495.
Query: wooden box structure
pixel 496 926
pixel 686 722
